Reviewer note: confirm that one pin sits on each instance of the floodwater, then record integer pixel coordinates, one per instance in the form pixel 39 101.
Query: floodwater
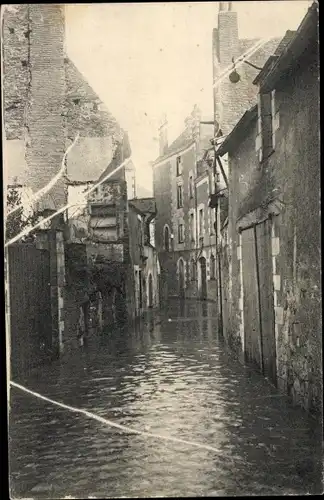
pixel 170 376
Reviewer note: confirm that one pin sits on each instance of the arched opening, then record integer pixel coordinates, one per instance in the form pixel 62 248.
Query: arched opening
pixel 203 278
pixel 181 279
pixel 150 291
pixel 166 239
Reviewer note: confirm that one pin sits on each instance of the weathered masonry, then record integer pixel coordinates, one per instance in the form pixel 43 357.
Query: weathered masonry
pixel 274 315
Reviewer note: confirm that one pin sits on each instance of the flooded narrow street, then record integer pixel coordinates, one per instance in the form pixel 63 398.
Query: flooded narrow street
pixel 171 376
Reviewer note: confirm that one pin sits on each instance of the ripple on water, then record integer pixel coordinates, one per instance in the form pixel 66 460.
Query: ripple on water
pixel 178 386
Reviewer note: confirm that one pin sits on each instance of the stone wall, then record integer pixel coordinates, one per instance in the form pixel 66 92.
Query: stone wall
pixel 285 185
pixel 16 32
pixel 298 262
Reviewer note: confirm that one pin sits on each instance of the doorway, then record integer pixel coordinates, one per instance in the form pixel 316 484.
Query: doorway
pixel 181 279
pixel 258 304
pixel 203 278
pixel 150 290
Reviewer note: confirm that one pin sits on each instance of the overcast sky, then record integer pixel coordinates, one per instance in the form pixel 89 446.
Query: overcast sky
pixel 146 59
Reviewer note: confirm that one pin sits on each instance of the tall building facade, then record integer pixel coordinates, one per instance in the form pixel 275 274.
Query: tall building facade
pixel 186 176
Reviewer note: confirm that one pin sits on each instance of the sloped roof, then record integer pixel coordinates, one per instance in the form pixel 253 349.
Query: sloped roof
pixel 88 158
pixel 144 205
pixel 98 129
pixel 239 131
pixel 295 45
pixel 122 152
pixel 284 42
pixel 180 143
pixel 93 121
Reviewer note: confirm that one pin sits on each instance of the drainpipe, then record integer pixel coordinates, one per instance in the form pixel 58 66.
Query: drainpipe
pixel 219 297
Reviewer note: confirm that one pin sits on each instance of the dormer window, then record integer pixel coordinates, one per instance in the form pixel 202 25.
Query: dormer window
pixel 179 166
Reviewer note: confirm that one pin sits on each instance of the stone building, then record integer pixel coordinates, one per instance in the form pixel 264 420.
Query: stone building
pixel 185 248
pixel 187 179
pixel 143 254
pixel 47 103
pixel 272 297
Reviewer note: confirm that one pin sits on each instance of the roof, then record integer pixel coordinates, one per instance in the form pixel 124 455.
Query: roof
pixel 239 131
pixel 144 205
pixel 273 58
pixel 88 158
pixel 180 143
pixel 97 122
pixel 122 152
pixel 297 43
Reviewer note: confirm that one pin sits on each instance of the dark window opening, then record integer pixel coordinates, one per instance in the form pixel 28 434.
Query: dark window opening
pixel 166 239
pixel 192 226
pixel 193 270
pixel 76 101
pixel 180 196
pixel 191 187
pixel 179 166
pixel 180 233
pixel 212 268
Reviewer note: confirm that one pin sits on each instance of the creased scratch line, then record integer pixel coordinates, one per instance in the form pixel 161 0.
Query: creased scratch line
pixel 53 181
pixel 109 423
pixel 240 60
pixel 65 207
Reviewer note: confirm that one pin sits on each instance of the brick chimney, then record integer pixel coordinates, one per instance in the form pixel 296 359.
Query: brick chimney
pixel 192 123
pixel 228 41
pixel 225 46
pixel 44 125
pixel 163 135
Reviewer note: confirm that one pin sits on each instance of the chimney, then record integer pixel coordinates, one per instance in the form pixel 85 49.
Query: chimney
pixel 192 123
pixel 45 132
pixel 228 41
pixel 163 135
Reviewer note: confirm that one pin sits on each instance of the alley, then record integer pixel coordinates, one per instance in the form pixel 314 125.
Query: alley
pixel 170 376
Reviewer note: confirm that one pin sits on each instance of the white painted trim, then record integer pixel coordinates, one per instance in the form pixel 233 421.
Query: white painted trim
pixel 177 153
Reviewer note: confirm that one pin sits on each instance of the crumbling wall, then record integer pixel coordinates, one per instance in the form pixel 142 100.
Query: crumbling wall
pixel 295 165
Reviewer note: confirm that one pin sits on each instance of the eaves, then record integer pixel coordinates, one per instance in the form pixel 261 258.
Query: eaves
pixel 168 157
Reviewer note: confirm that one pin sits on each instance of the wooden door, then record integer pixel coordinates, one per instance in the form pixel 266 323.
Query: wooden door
pixel 263 240
pixel 251 299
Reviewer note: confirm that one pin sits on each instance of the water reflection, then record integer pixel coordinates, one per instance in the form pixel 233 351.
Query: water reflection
pixel 169 374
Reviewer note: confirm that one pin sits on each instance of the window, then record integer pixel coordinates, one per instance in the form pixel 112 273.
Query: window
pixel 266 115
pixel 192 227
pixel 179 166
pixel 201 222
pixel 140 232
pixel 191 187
pixel 212 220
pixel 212 268
pixel 180 196
pixel 193 270
pixel 180 233
pixel 166 239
